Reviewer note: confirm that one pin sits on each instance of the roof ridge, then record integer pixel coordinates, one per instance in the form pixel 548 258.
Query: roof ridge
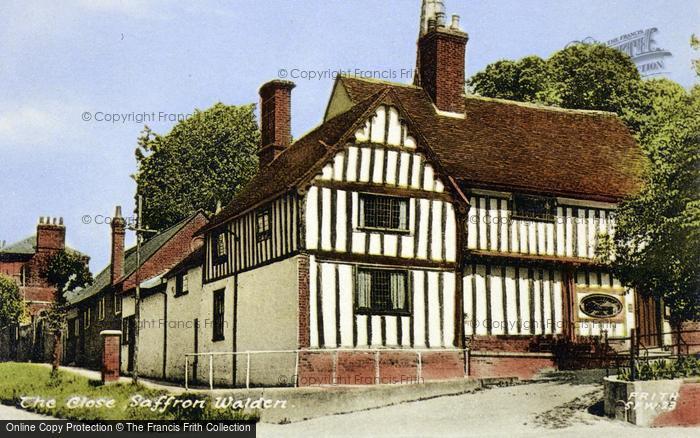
pixel 378 81
pixel 540 106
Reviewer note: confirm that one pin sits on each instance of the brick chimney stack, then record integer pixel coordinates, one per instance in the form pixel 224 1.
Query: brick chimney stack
pixel 50 234
pixel 441 58
pixel 275 119
pixel 118 231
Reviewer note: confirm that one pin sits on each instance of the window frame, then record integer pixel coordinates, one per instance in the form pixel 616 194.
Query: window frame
pixel 265 234
pixel 408 298
pixel 218 318
pixel 361 220
pixel 101 308
pixel 87 317
pixel 219 242
pixel 117 304
pixel 519 198
pixel 180 280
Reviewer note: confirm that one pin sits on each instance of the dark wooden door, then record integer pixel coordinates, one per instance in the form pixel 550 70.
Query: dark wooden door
pixel 648 321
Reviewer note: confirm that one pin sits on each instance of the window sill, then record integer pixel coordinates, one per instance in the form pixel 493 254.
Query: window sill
pixel 369 312
pixel 384 230
pixel 218 339
pixel 180 294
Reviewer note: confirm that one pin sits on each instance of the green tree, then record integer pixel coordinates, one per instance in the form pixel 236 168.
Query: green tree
pixel 66 272
pixel 525 80
pixel 656 246
pixel 203 159
pixel 581 76
pixel 12 307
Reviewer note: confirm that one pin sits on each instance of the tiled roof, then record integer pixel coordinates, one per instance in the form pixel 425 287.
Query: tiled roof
pixel 28 246
pixel 285 171
pixel 498 144
pixel 509 145
pixel 148 248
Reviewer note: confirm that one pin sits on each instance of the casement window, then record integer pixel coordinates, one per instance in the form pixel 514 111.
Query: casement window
pixel 219 251
pixel 534 207
pixel 117 304
pixel 181 287
pixel 388 213
pixel 263 230
pixel 218 315
pixel 87 315
pixel 382 291
pixel 127 326
pixel 101 309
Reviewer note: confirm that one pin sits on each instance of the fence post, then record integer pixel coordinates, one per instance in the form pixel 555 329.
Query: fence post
pixel 211 371
pixel 633 346
pixel 187 365
pixel 247 370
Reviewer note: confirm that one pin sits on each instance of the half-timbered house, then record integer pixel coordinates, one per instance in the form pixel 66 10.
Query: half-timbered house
pixel 413 223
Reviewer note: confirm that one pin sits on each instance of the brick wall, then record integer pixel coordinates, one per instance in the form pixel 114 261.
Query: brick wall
pixel 304 290
pixel 523 367
pixel 442 57
pixel 395 367
pixel 692 339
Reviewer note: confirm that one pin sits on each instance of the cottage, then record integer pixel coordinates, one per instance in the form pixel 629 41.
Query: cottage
pixel 414 223
pixel 108 303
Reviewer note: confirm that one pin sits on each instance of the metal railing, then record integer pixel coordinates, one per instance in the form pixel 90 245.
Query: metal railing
pixel 639 352
pixel 420 352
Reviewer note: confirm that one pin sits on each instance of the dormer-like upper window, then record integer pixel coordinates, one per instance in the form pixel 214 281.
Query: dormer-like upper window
pixel 219 251
pixel 263 229
pixel 537 208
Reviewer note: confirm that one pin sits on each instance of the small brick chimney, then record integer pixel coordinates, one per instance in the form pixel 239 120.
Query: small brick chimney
pixel 440 62
pixel 118 230
pixel 50 234
pixel 275 119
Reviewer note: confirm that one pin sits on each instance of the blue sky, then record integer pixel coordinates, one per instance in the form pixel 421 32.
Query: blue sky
pixel 63 59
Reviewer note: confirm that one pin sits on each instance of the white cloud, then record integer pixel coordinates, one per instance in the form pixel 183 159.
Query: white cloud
pixel 37 124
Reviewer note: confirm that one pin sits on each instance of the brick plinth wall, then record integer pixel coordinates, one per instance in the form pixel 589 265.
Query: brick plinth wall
pixel 111 349
pixel 517 365
pixel 303 279
pixel 395 367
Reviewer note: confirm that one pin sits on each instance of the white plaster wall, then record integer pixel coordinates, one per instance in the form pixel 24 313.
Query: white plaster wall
pixel 182 313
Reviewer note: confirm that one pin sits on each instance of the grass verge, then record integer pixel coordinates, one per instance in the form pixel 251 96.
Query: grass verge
pixel 18 380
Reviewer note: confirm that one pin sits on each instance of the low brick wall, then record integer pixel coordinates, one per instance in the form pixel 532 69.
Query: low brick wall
pixel 654 403
pixel 362 368
pixel 524 366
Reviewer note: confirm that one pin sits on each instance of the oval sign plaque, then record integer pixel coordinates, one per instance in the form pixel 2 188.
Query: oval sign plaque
pixel 600 306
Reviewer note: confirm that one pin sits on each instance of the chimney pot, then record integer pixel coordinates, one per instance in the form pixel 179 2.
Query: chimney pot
pixel 275 119
pixel 455 22
pixel 440 18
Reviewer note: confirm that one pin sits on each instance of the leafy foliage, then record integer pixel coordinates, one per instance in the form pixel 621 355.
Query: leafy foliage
pixel 581 76
pixel 684 366
pixel 203 159
pixel 656 246
pixel 66 272
pixel 12 307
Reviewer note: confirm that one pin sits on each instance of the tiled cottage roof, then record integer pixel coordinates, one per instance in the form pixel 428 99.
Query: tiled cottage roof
pixel 148 248
pixel 497 144
pixel 292 165
pixel 508 145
